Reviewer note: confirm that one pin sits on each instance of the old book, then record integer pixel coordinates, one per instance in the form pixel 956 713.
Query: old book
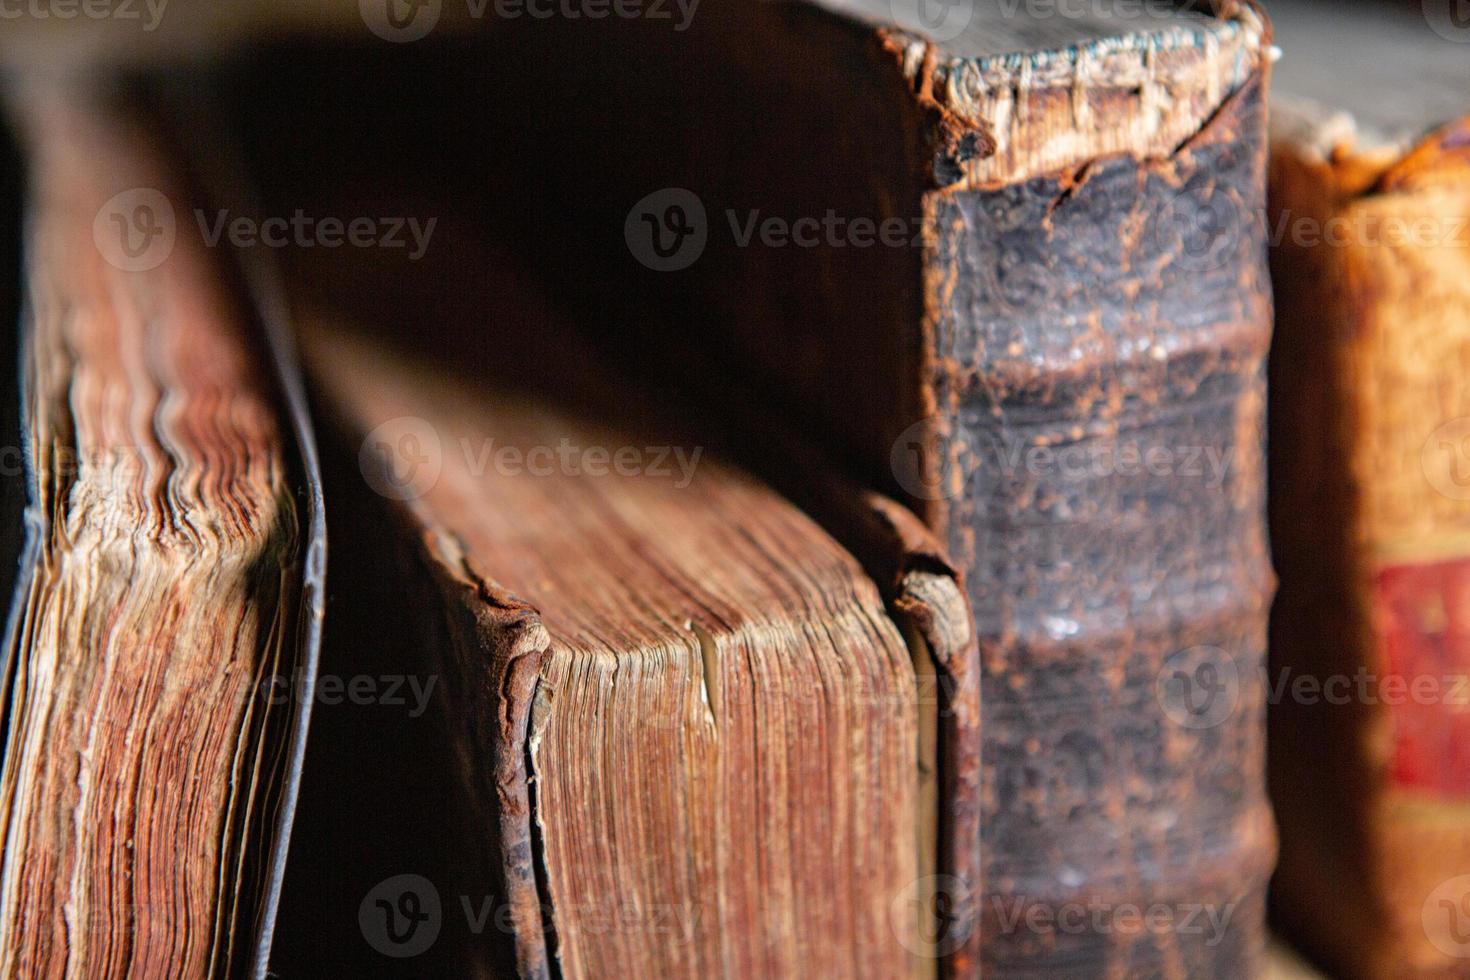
pixel 992 265
pixel 1370 228
pixel 1008 270
pixel 687 725
pixel 472 303
pixel 149 764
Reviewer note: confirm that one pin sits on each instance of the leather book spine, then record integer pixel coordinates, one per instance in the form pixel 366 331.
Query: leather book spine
pixel 1099 341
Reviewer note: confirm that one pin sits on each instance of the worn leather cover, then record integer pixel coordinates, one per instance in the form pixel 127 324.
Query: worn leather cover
pixel 1370 524
pixel 1101 422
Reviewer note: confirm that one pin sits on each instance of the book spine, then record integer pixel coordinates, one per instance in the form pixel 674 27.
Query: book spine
pixel 1371 526
pixel 1099 341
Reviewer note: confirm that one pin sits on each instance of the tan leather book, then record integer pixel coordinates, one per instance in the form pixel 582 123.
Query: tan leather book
pixel 1370 490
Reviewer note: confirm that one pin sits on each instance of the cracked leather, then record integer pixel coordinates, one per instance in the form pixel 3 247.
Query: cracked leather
pixel 1099 373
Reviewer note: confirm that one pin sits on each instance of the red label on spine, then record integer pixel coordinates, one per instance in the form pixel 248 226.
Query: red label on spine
pixel 1422 618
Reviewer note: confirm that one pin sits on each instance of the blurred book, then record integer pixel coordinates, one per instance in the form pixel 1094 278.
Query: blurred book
pixel 1370 514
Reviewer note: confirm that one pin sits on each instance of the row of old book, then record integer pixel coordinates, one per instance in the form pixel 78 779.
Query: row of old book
pixel 707 415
